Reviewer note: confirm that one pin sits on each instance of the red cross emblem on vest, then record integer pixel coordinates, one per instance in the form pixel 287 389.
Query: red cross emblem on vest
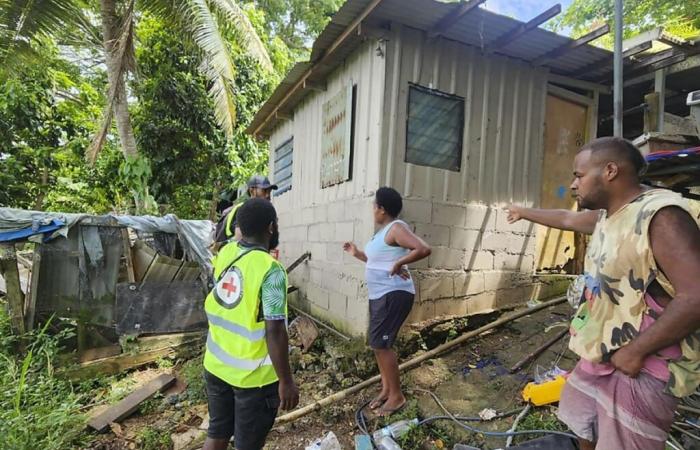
pixel 228 291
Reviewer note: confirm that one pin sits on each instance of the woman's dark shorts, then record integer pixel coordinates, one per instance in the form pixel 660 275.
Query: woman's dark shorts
pixel 386 315
pixel 245 414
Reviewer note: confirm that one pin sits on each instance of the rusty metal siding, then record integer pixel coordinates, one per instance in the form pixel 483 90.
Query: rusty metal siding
pixel 504 120
pixel 365 68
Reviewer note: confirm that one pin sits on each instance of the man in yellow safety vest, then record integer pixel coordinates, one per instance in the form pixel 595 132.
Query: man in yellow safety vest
pixel 246 359
pixel 227 227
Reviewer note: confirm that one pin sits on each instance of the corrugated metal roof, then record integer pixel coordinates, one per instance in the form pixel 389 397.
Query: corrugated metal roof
pixel 477 28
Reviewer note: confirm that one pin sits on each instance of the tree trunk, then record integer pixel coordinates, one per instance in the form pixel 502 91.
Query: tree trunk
pixel 110 35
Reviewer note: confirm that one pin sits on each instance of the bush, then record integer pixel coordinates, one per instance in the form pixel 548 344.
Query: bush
pixel 37 409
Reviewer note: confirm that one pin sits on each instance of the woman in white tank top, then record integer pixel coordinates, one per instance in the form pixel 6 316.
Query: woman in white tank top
pixel 391 290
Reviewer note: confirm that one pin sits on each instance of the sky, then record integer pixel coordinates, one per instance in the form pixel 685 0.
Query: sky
pixel 525 10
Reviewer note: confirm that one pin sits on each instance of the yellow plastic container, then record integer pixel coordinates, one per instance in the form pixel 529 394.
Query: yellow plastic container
pixel 545 393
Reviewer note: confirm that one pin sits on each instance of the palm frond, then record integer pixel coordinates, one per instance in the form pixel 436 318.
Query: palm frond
pixel 253 45
pixel 218 65
pixel 23 21
pixel 123 52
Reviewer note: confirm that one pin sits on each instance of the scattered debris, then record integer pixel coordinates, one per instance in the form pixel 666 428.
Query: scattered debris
pixel 488 414
pixel 329 442
pixel 131 403
pixel 303 331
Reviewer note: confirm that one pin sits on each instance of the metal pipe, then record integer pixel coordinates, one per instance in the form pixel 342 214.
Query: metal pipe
pixel 617 68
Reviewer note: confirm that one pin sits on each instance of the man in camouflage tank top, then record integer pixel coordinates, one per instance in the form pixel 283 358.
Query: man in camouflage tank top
pixel 637 329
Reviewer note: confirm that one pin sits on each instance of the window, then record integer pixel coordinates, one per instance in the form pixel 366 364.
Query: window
pixel 284 157
pixel 337 137
pixel 434 128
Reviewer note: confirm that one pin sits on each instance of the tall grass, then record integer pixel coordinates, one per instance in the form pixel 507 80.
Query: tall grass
pixel 37 409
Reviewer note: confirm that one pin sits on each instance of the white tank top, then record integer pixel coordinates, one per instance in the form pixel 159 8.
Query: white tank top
pixel 381 257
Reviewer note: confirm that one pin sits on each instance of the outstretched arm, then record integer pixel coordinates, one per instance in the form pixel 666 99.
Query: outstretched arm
pixel 582 222
pixel 352 249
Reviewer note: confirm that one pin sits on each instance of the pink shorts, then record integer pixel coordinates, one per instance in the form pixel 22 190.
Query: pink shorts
pixel 616 411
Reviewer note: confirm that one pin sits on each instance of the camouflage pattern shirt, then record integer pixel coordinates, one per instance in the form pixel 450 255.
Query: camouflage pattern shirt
pixel 619 268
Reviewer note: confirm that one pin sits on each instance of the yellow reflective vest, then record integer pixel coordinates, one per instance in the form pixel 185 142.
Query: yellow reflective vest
pixel 228 231
pixel 236 349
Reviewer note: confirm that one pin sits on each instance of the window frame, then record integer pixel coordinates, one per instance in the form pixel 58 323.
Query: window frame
pixel 291 166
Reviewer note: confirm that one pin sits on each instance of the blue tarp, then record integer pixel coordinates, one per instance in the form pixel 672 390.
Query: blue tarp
pixel 35 229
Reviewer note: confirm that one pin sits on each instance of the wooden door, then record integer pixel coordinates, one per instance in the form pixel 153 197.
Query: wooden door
pixel 565 132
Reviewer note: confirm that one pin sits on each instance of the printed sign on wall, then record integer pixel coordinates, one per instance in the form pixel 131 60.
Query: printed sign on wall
pixel 336 138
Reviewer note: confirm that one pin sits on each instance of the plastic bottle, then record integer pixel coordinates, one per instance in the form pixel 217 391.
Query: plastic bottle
pixel 387 443
pixel 395 430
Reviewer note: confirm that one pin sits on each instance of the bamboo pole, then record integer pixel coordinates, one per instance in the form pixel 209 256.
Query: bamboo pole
pixel 294 415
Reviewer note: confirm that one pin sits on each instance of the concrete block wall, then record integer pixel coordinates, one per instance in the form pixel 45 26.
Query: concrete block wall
pixel 479 262
pixel 332 283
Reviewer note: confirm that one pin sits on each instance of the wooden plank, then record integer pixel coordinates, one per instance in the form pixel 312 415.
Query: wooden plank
pixel 30 302
pixel 522 29
pixel 562 50
pixel 130 404
pixel 450 19
pixel 143 257
pixel 189 271
pixel 162 269
pixel 128 256
pixel 120 363
pixel 15 298
pixel 606 62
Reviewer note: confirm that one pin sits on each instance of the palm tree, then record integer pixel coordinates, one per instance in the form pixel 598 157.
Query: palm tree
pixel 23 22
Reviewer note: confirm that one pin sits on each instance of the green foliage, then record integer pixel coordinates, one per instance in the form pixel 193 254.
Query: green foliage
pixel 680 17
pixel 297 22
pixel 151 438
pixel 37 409
pixel 193 373
pixel 190 156
pixel 47 114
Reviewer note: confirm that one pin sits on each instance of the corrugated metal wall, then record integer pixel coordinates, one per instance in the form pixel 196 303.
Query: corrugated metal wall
pixel 504 121
pixel 365 68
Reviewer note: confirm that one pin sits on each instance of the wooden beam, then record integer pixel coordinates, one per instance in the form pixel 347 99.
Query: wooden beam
pixel 658 64
pixel 689 63
pixel 569 95
pixel 131 403
pixel 450 19
pixel 562 50
pixel 522 29
pixel 126 246
pixel 608 61
pixel 579 84
pixel 30 301
pixel 15 297
pixel 315 86
pixel 349 30
pixel 647 36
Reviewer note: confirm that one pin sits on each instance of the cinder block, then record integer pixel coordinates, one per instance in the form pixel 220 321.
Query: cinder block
pixel 446 258
pixel 358 209
pixel 521 263
pixel 321 213
pixel 347 285
pixel 337 304
pixel 439 285
pixel 357 315
pixel 457 307
pixel 317 296
pixel 344 231
pixel 496 242
pixel 336 211
pixel 318 251
pixel 451 215
pixel 480 217
pixel 307 215
pixel 420 312
pixel 415 210
pixel 482 303
pixel 478 260
pixel 314 233
pixel 522 226
pixel 434 235
pixel 514 296
pixel 334 252
pixel 463 239
pixel 468 283
pixel 327 232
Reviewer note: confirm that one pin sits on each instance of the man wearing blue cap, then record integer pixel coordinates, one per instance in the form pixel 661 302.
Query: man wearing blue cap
pixel 227 229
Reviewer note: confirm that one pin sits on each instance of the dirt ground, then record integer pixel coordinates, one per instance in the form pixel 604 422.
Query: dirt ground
pixel 468 379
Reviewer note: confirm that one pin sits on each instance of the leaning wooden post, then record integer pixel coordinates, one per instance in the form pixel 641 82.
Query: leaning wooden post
pixel 15 298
